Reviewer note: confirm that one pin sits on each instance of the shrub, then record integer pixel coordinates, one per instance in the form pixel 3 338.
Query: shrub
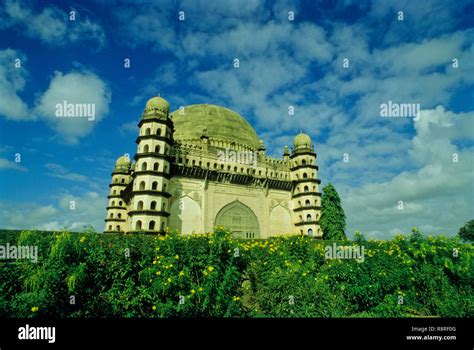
pixel 215 275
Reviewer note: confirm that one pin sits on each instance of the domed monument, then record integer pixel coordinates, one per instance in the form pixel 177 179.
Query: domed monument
pixel 203 166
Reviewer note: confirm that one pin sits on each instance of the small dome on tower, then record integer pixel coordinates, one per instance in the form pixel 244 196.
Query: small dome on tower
pixel 122 161
pixel 302 140
pixel 158 102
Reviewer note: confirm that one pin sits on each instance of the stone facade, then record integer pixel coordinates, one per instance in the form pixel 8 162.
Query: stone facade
pixel 204 166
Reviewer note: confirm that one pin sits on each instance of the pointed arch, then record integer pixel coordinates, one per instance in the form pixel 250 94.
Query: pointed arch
pixel 240 219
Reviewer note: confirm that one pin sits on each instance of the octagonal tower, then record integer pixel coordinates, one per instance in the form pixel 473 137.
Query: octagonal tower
pixel 149 205
pixel 116 218
pixel 306 198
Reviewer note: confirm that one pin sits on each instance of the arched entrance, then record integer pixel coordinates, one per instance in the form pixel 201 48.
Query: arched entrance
pixel 240 219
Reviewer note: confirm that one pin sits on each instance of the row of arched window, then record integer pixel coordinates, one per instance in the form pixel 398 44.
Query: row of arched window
pixel 154 186
pixel 309 217
pixel 152 205
pixel 305 189
pixel 151 225
pixel 148 149
pixel 159 132
pixel 156 167
pixel 305 175
pixel 307 203
pixel 113 203
pixel 302 162
pixel 309 232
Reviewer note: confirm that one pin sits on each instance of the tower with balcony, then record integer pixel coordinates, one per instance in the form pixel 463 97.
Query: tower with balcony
pixel 306 198
pixel 149 204
pixel 116 219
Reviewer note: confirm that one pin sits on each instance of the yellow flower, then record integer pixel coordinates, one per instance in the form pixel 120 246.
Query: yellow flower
pixel 154 262
pixel 235 298
pixel 158 273
pixel 193 291
pixel 200 289
pixel 169 279
pixel 210 268
pixel 34 308
pixel 176 257
pixel 154 307
pixel 83 238
pixel 181 273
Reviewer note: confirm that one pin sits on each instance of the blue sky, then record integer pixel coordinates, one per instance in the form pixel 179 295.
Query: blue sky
pixel 282 63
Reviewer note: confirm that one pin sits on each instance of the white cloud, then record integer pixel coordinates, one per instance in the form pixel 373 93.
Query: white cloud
pixel 51 25
pixel 6 164
pixel 76 88
pixel 12 82
pixel 60 172
pixel 437 195
pixel 80 86
pixel 148 24
pixel 429 19
pixel 25 215
pixel 89 210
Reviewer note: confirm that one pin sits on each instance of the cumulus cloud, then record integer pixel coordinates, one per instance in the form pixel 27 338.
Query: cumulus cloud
pixel 77 87
pixel 74 88
pixel 50 25
pixel 70 212
pixel 437 194
pixel 25 215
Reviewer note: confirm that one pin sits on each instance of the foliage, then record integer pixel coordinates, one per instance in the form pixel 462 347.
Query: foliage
pixel 467 232
pixel 215 275
pixel 333 219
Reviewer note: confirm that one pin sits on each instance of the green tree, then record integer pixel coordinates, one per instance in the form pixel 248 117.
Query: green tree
pixel 333 219
pixel 467 232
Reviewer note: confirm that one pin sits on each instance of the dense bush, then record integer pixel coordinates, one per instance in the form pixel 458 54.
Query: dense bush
pixel 214 275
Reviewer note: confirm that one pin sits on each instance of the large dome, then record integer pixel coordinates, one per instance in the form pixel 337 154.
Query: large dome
pixel 219 123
